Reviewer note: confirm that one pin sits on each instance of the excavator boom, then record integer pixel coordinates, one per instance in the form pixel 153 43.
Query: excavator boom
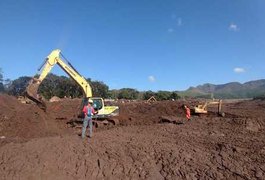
pixel 53 59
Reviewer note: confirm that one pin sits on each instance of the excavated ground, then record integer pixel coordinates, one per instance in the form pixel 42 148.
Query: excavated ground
pixel 39 145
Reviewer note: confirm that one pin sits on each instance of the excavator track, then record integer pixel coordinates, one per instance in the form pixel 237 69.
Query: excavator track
pixel 108 121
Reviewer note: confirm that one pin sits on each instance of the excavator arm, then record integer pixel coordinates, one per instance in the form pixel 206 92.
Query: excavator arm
pixel 51 60
pixel 55 58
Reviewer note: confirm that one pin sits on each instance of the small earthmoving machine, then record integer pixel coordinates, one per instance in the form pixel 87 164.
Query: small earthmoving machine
pixel 151 99
pixel 55 57
pixel 202 108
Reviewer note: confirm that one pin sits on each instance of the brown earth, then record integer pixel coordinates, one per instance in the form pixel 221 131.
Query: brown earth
pixel 39 145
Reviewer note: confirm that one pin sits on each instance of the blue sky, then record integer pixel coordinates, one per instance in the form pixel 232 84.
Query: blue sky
pixel 141 44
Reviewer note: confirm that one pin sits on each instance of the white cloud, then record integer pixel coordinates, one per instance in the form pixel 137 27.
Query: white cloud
pixel 179 22
pixel 239 70
pixel 151 79
pixel 233 27
pixel 170 30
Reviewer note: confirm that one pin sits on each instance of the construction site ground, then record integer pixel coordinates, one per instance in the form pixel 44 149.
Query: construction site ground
pixel 152 141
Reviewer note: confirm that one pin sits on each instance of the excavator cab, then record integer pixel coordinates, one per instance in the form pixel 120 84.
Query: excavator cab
pixel 103 112
pixel 97 103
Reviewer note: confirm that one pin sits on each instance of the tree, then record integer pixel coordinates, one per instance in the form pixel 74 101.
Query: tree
pixel 48 86
pixel 163 95
pixel 1 75
pixel 99 89
pixel 148 94
pixel 2 88
pixel 174 95
pixel 73 89
pixel 60 86
pixel 128 93
pixel 113 94
pixel 18 86
pixel 140 95
pixel 7 83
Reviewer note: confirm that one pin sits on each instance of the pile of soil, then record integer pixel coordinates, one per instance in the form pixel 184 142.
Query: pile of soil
pixel 41 145
pixel 25 121
pixel 143 113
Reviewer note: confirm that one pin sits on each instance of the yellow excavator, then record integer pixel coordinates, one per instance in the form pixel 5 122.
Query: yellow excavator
pixel 55 58
pixel 202 108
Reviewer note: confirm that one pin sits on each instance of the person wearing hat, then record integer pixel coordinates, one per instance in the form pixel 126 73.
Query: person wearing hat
pixel 88 111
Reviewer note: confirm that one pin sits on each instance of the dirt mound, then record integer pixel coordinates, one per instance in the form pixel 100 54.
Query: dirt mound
pixel 39 145
pixel 25 121
pixel 142 113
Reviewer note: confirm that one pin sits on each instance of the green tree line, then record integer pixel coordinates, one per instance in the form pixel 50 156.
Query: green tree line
pixel 1 81
pixel 62 86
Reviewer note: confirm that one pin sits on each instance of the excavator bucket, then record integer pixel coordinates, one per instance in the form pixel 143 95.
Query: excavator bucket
pixel 31 93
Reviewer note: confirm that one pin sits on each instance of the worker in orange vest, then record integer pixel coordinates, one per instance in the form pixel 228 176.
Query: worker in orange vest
pixel 187 111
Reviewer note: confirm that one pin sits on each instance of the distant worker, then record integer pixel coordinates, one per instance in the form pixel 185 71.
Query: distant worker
pixel 187 111
pixel 88 111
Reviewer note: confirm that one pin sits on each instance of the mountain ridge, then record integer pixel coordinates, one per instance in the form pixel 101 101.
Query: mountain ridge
pixel 229 90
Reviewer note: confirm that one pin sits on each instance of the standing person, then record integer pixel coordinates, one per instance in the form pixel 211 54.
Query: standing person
pixel 187 111
pixel 88 111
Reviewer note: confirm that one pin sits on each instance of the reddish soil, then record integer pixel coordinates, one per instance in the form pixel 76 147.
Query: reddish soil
pixel 39 145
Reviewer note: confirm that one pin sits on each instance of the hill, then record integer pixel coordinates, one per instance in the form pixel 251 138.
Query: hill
pixel 229 90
